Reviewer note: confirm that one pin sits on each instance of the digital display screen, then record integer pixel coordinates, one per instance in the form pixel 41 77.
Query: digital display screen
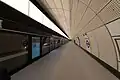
pixel 35 47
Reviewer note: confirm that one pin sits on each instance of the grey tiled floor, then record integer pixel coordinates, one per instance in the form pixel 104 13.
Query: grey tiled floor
pixel 68 62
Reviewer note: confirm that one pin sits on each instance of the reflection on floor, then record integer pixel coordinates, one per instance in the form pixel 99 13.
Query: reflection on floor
pixel 68 62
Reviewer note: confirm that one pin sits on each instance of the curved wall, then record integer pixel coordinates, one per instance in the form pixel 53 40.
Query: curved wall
pixel 100 22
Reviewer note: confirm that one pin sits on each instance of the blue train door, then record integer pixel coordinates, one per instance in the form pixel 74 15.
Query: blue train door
pixel 35 47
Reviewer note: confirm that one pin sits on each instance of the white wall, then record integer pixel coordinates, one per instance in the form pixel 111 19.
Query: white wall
pixel 102 27
pixel 101 46
pixel 106 47
pixel 82 41
pixel 114 28
pixel 93 44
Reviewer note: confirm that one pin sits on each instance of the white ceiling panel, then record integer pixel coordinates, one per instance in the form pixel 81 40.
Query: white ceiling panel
pixel 54 13
pixel 85 1
pixel 66 4
pixel 51 3
pixel 71 15
pixel 95 23
pixel 61 13
pixel 79 13
pixel 111 12
pixel 76 14
pixel 58 4
pixel 74 6
pixel 87 17
pixel 67 15
pixel 97 5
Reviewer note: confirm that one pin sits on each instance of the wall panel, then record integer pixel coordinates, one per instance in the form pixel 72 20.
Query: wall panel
pixel 119 67
pixel 93 44
pixel 82 41
pixel 114 27
pixel 106 47
pixel 77 41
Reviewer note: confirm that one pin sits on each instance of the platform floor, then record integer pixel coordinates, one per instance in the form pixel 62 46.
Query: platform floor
pixel 68 62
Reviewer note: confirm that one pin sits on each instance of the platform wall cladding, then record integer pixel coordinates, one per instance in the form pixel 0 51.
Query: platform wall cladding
pixel 100 35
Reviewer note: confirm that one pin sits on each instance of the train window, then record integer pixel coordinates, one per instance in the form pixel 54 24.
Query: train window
pixel 51 43
pixel 47 42
pixel 58 41
pixel 45 45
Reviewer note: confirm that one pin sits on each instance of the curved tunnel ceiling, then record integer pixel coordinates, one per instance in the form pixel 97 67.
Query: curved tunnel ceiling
pixel 81 16
pixel 60 10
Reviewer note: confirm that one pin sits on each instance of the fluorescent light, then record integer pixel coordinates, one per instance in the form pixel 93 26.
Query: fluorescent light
pixel 35 13
pixel 20 5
